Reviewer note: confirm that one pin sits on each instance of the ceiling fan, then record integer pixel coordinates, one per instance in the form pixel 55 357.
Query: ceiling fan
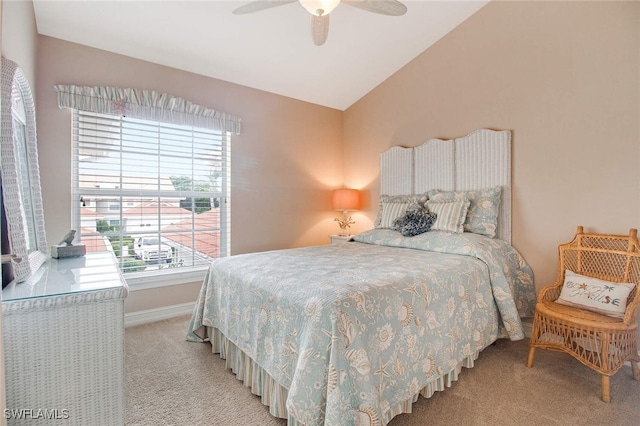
pixel 320 9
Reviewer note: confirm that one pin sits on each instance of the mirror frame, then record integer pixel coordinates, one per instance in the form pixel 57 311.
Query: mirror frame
pixel 25 263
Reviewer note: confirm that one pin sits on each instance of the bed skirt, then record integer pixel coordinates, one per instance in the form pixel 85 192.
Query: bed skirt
pixel 274 395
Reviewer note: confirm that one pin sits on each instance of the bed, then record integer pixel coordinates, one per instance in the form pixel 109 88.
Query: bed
pixel 353 333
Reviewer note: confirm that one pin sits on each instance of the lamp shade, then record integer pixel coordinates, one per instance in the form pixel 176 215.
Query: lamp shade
pixel 346 199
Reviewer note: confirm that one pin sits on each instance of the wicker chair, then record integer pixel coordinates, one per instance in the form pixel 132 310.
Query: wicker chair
pixel 600 342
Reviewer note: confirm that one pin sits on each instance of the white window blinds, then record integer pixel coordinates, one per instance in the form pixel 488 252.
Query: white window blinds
pixel 157 194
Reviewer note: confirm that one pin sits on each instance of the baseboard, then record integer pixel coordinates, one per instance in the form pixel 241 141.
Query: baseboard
pixel 157 314
pixel 527 326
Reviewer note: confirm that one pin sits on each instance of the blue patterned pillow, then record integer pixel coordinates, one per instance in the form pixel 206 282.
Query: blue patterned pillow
pixel 414 222
pixel 482 217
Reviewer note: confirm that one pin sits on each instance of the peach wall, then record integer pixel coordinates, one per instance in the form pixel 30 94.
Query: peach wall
pixel 284 164
pixel 563 76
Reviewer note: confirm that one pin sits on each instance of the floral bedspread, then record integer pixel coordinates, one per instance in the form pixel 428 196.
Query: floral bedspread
pixel 353 330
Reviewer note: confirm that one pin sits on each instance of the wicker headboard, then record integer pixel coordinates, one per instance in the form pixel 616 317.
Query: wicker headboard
pixel 482 159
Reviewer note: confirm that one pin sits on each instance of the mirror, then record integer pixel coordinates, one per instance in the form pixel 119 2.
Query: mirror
pixel 21 190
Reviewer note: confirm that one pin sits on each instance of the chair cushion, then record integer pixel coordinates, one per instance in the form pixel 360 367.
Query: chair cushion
pixel 604 297
pixel 574 315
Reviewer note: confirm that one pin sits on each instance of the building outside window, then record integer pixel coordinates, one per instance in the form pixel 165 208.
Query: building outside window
pixel 155 193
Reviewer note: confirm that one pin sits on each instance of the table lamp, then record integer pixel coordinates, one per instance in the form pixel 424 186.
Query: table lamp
pixel 345 200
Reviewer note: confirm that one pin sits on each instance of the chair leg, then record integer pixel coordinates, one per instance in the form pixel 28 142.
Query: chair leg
pixel 532 351
pixel 636 370
pixel 605 395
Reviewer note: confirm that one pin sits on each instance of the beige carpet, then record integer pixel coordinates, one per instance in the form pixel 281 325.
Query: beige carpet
pixel 170 381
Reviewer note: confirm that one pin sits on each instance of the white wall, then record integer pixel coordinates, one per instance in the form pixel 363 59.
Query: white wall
pixel 19 37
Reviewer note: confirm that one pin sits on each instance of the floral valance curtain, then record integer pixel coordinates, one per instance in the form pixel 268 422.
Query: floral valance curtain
pixel 146 104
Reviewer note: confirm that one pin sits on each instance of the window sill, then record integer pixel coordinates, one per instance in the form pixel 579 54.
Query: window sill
pixel 145 282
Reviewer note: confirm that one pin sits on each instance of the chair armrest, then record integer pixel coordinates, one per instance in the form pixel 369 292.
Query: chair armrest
pixel 631 311
pixel 550 293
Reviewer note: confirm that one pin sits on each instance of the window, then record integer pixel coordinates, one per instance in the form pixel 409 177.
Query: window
pixel 155 193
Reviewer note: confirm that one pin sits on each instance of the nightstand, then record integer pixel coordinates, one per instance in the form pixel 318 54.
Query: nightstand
pixel 337 239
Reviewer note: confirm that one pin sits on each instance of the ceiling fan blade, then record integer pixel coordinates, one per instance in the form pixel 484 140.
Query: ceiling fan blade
pixel 319 29
pixel 383 7
pixel 258 5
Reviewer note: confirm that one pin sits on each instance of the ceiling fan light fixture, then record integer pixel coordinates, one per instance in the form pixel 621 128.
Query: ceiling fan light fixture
pixel 319 7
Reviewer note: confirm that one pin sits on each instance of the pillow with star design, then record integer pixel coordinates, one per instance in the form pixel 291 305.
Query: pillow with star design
pixel 592 294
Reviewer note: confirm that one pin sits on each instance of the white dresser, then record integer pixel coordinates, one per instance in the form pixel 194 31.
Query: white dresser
pixel 64 343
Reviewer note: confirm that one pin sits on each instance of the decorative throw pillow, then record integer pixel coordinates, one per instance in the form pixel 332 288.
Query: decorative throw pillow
pixel 389 212
pixel 482 217
pixel 395 206
pixel 450 214
pixel 414 222
pixel 593 294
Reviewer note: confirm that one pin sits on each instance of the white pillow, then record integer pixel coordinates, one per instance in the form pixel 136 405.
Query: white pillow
pixel 604 297
pixel 390 211
pixel 450 214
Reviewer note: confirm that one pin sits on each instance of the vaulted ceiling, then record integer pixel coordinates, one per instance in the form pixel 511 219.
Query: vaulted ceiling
pixel 270 50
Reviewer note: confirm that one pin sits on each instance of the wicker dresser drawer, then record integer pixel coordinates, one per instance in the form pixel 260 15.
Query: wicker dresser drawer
pixel 64 343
